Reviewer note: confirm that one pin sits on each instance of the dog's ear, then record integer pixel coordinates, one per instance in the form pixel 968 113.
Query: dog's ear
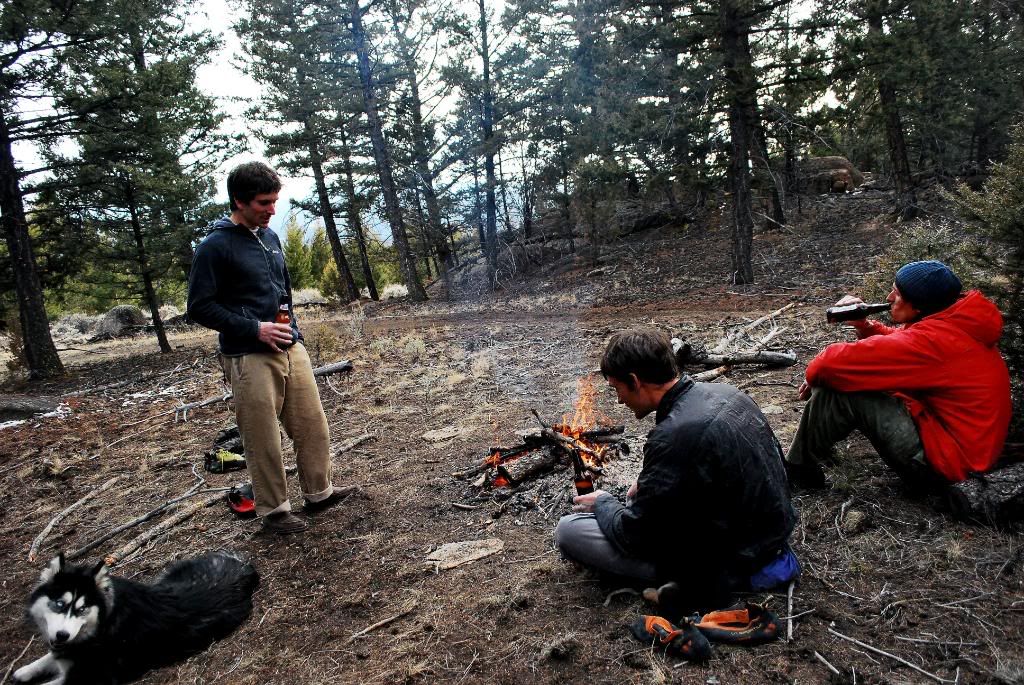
pixel 55 566
pixel 101 573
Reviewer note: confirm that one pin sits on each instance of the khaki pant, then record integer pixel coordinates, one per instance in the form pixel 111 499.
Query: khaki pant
pixel 830 416
pixel 273 386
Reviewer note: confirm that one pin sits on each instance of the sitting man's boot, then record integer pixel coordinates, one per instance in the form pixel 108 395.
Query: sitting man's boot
pixel 338 495
pixel 283 523
pixel 805 476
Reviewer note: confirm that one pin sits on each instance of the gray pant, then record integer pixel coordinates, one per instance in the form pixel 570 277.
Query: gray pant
pixel 580 538
pixel 830 416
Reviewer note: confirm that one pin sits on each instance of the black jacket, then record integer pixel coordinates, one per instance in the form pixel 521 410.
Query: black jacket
pixel 237 280
pixel 712 491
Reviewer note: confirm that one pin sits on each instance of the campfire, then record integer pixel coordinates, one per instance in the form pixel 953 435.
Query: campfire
pixel 583 442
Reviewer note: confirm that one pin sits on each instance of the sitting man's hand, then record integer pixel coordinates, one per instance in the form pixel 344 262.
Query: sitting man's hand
pixel 859 324
pixel 804 391
pixel 275 334
pixel 584 504
pixel 631 493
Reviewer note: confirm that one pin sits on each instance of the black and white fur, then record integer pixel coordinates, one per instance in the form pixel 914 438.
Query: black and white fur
pixel 107 630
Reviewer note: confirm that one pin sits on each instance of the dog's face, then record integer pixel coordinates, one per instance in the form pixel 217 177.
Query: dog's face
pixel 70 602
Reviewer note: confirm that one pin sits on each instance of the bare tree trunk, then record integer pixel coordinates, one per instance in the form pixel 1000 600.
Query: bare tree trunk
pixel 327 212
pixel 406 263
pixel 40 352
pixel 487 123
pixel 740 77
pixel 142 258
pixel 478 207
pixel 906 195
pixel 435 231
pixel 354 222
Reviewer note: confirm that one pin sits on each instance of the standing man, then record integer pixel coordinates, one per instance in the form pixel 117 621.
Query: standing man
pixel 709 513
pixel 932 396
pixel 237 284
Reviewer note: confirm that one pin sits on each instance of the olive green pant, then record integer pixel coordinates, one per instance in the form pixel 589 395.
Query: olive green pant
pixel 270 387
pixel 830 416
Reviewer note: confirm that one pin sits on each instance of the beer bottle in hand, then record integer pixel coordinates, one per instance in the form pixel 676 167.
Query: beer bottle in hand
pixel 282 311
pixel 584 482
pixel 855 312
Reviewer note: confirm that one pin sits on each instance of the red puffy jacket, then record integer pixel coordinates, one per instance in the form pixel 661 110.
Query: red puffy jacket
pixel 947 369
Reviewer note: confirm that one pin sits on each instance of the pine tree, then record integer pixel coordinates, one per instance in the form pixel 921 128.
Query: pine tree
pixel 306 99
pixel 297 256
pixel 147 148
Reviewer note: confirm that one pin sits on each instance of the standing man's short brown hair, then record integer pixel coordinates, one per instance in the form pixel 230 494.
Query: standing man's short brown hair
pixel 645 352
pixel 250 179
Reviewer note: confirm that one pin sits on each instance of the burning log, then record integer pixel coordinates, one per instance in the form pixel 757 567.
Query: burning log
pixel 518 470
pixel 593 433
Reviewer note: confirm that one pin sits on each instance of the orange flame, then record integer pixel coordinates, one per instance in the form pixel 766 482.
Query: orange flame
pixel 583 419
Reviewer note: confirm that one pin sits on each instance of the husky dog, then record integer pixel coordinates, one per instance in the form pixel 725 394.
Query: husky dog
pixel 106 630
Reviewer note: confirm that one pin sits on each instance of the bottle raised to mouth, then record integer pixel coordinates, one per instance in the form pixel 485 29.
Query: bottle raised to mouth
pixel 855 312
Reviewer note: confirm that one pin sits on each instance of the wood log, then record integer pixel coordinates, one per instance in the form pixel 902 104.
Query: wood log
pixel 767 358
pixel 25 406
pixel 993 497
pixel 329 369
pixel 596 432
pixel 527 466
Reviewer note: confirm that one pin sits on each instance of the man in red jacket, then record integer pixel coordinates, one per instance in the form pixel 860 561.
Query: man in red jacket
pixel 932 396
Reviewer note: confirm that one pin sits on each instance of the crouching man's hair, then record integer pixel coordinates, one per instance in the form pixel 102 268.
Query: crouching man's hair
pixel 644 351
pixel 250 179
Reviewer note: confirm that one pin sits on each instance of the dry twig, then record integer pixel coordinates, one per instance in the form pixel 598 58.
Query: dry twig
pixel 33 551
pixel 160 529
pixel 901 660
pixel 17 659
pixel 380 624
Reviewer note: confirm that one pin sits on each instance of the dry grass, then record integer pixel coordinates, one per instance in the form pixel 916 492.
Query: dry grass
pixel 905 578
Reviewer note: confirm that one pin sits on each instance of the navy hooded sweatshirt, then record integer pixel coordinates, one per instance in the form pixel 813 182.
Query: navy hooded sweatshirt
pixel 237 280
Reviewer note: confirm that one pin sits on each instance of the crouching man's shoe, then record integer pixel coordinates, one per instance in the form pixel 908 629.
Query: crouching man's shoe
pixel 283 523
pixel 338 495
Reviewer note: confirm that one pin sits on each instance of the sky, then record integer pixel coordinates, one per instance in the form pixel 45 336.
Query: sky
pixel 223 77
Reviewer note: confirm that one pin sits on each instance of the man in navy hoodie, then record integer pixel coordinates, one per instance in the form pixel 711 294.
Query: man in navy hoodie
pixel 237 284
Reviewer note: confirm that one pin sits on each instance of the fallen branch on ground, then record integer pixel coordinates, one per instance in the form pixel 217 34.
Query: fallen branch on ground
pixel 17 659
pixel 88 547
pixel 33 551
pixel 903 661
pixel 161 528
pixel 380 624
pixel 354 443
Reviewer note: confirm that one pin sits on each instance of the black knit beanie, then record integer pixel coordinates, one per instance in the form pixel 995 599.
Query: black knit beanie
pixel 929 286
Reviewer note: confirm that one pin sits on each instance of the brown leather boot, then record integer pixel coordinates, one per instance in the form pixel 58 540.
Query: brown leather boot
pixel 283 523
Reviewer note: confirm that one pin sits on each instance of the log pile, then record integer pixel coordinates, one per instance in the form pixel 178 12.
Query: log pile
pixel 545 449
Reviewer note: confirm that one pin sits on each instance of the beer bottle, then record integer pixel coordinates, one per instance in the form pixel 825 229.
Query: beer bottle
pixel 855 312
pixel 584 483
pixel 282 315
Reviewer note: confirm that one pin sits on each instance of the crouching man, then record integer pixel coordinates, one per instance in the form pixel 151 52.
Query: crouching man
pixel 932 396
pixel 710 512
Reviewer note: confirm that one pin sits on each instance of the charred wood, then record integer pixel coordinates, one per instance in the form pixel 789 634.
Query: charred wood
pixel 518 470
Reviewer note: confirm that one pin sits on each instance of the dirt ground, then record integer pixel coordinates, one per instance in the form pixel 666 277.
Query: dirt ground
pixel 892 572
